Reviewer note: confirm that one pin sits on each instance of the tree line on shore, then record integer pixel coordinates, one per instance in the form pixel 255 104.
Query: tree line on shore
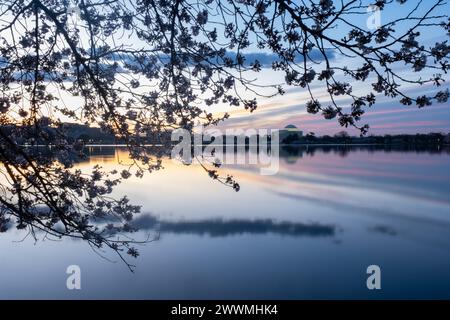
pixel 93 135
pixel 433 138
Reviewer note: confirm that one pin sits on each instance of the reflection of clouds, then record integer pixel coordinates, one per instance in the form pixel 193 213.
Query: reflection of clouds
pixel 412 183
pixel 392 214
pixel 222 228
pixel 365 161
pixel 383 229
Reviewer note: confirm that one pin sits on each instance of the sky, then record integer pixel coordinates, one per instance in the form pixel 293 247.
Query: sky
pixel 387 116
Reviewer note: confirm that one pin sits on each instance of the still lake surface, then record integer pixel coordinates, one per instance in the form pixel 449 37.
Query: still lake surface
pixel 308 232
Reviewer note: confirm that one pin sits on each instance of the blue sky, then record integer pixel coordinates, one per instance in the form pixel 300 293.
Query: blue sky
pixel 387 116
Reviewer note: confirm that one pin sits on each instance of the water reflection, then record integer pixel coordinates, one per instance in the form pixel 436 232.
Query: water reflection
pixel 400 189
pixel 309 231
pixel 292 153
pixel 223 228
pixel 383 230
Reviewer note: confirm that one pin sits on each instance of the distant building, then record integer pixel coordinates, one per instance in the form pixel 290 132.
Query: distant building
pixel 290 134
pixel 88 134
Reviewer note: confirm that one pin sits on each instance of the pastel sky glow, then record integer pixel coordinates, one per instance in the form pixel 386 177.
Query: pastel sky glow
pixel 387 116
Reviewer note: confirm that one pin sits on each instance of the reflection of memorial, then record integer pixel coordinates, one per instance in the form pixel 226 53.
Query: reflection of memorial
pixel 100 150
pixel 291 153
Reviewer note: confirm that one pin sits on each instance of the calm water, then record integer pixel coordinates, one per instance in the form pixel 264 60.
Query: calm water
pixel 308 232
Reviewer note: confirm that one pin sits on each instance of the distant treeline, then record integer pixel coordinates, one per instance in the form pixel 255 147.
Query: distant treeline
pixel 400 139
pixel 92 135
pixel 73 132
pixel 340 138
